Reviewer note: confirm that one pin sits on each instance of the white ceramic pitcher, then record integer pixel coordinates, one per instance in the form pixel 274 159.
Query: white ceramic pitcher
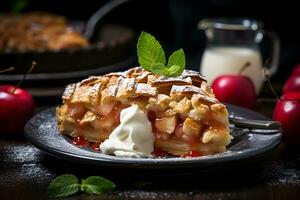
pixel 231 42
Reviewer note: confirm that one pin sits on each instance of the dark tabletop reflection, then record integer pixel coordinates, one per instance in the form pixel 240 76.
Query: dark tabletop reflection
pixel 25 173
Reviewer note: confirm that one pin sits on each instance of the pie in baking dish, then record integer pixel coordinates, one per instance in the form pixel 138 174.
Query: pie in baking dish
pixel 36 31
pixel 185 115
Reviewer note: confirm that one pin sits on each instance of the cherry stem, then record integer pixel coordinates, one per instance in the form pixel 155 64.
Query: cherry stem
pixel 33 64
pixel 267 77
pixel 7 70
pixel 244 67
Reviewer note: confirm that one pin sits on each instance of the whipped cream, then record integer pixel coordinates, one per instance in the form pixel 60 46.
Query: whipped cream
pixel 133 137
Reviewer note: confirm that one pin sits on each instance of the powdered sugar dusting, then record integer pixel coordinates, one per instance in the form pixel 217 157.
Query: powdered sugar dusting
pixel 283 172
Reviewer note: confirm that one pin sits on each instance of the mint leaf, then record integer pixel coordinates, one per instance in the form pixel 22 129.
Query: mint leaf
pixel 64 185
pixel 96 185
pixel 149 51
pixel 151 57
pixel 177 58
pixel 175 70
pixel 159 68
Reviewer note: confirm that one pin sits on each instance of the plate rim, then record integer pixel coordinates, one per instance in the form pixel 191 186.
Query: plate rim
pixel 108 160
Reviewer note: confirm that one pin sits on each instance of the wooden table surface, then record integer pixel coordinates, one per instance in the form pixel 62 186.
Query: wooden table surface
pixel 25 173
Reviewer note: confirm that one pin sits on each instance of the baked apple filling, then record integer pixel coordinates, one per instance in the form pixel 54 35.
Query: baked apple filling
pixel 185 117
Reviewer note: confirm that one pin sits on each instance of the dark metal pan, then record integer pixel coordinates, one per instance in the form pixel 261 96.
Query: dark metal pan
pixel 112 46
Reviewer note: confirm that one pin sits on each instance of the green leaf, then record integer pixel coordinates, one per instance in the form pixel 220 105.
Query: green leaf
pixel 64 185
pixel 177 58
pixel 175 70
pixel 96 185
pixel 151 57
pixel 149 51
pixel 160 69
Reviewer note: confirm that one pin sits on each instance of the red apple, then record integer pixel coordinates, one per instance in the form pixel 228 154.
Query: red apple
pixel 15 109
pixel 287 112
pixel 293 83
pixel 235 89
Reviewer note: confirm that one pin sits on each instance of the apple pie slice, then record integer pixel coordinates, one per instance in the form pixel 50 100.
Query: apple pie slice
pixel 186 117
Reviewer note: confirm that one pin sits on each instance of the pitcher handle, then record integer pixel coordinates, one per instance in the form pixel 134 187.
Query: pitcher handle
pixel 275 42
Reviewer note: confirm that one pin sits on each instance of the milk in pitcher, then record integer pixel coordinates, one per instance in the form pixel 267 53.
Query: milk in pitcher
pixel 224 60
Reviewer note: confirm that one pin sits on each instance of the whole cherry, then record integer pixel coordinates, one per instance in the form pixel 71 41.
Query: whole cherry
pixel 287 112
pixel 296 69
pixel 235 89
pixel 293 82
pixel 16 106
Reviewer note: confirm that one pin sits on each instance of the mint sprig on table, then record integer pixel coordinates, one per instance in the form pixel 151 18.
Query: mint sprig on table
pixel 96 185
pixel 68 184
pixel 151 57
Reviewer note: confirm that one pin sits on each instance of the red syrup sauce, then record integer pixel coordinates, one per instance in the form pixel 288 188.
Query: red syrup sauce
pixel 96 146
pixel 80 141
pixel 192 154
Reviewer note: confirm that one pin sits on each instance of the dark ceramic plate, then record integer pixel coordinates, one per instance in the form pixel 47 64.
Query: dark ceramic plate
pixel 42 132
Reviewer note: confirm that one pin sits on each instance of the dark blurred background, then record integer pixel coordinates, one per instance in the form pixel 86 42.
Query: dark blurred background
pixel 174 22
